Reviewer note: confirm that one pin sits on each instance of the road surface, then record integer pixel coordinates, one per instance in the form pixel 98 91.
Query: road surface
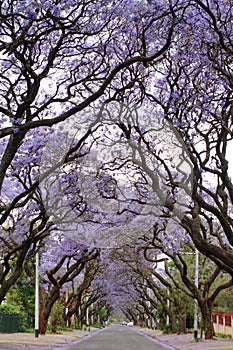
pixel 117 337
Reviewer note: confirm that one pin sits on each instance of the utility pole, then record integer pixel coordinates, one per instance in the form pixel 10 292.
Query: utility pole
pixel 195 300
pixel 67 310
pixel 37 296
pixel 168 306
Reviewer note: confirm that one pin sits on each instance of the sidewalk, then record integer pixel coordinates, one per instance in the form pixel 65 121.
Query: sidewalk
pixel 187 342
pixel 27 341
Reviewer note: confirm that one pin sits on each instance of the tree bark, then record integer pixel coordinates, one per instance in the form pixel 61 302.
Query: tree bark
pixel 173 327
pixel 206 311
pixel 182 324
pixel 46 303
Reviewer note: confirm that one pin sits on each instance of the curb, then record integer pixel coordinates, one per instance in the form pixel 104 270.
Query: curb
pixel 156 340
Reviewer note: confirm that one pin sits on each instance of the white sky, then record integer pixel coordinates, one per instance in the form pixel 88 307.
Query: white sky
pixel 230 158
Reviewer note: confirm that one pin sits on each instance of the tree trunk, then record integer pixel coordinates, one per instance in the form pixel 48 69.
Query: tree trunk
pixel 79 318
pixel 206 311
pixel 209 328
pixel 15 270
pixel 46 303
pixel 173 326
pixel 172 319
pixel 182 324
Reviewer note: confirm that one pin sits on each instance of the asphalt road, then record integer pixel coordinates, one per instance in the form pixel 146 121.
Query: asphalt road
pixel 117 337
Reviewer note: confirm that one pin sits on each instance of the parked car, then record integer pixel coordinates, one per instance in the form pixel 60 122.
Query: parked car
pixel 130 324
pixel 124 323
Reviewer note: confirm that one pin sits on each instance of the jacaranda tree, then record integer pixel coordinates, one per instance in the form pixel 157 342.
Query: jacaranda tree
pixel 125 110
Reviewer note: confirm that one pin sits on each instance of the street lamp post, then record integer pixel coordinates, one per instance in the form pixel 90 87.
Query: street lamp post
pixel 67 309
pixel 168 306
pixel 195 301
pixel 37 296
pixel 87 316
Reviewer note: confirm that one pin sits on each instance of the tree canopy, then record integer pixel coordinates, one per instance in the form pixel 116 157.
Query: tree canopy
pixel 116 119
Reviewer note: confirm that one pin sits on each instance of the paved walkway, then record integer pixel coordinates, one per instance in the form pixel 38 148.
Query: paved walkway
pixel 27 341
pixel 187 342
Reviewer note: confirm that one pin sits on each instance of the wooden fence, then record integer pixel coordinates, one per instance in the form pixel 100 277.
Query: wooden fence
pixel 223 322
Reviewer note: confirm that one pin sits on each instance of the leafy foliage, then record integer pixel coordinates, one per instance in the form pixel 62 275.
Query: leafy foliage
pixel 116 125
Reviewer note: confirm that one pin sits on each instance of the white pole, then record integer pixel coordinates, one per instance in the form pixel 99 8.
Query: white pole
pixel 87 316
pixel 37 296
pixel 168 305
pixel 67 310
pixel 195 301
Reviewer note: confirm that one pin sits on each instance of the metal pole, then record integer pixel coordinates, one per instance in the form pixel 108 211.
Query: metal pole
pixel 37 296
pixel 195 301
pixel 87 316
pixel 67 310
pixel 168 305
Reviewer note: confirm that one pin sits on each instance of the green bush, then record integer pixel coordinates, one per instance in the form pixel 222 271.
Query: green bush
pixel 221 335
pixel 98 325
pixel 166 329
pixel 24 321
pixel 56 321
pixel 9 309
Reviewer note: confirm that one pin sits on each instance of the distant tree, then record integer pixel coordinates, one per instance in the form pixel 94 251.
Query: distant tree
pixel 183 261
